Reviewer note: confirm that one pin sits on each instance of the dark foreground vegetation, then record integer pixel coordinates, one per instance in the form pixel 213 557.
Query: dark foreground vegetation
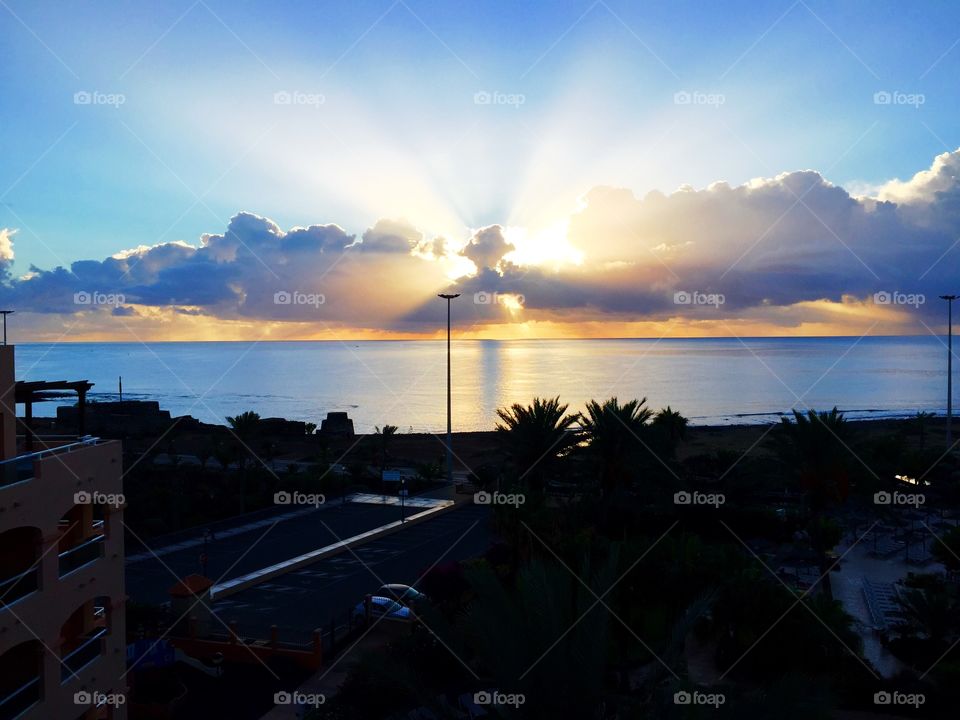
pixel 632 583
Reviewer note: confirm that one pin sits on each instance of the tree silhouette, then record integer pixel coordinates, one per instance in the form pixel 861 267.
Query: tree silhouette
pixel 814 447
pixel 614 433
pixel 385 436
pixel 246 427
pixel 535 436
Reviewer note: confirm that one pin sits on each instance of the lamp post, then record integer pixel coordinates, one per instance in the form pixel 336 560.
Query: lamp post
pixel 448 298
pixel 949 299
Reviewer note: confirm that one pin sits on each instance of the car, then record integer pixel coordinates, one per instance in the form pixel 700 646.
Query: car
pixel 403 594
pixel 382 607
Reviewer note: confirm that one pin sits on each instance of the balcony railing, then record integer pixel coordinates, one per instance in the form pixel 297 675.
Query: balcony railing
pixel 88 651
pixel 86 552
pixel 19 700
pixel 19 585
pixel 21 467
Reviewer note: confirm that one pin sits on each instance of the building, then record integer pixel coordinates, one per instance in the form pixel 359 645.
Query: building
pixel 62 634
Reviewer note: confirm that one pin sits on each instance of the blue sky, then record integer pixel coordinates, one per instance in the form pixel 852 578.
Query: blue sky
pixel 387 124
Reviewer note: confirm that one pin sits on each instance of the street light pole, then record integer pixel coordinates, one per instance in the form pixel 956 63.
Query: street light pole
pixel 949 299
pixel 448 298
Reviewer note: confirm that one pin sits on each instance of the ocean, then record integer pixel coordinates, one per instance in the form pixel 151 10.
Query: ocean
pixel 711 381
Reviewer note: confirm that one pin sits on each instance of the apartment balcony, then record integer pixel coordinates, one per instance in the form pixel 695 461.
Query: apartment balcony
pixel 89 650
pixel 78 554
pixel 26 465
pixel 20 679
pixel 85 637
pixel 20 549
pixel 72 457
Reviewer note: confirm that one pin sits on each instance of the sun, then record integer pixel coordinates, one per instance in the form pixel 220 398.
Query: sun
pixel 546 247
pixel 513 303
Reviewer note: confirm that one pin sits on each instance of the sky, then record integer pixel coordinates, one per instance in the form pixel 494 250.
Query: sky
pixel 198 169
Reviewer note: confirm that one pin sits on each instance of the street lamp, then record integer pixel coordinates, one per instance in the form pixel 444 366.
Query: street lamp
pixel 448 298
pixel 949 299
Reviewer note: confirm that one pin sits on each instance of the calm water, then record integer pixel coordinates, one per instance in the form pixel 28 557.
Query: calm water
pixel 712 381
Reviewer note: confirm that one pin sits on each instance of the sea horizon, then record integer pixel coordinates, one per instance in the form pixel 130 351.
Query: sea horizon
pixel 711 381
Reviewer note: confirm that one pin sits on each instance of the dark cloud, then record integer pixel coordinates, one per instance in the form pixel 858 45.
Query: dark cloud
pixel 765 244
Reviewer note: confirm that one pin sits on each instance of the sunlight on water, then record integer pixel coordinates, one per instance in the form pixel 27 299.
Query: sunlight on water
pixel 712 381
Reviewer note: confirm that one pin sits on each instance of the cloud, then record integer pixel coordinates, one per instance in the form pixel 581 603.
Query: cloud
pixel 487 248
pixel 390 236
pixel 248 272
pixel 926 185
pixel 788 249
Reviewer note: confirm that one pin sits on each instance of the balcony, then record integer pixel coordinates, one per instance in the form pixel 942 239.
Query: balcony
pixel 23 467
pixel 90 648
pixel 90 550
pixel 20 685
pixel 20 700
pixel 20 549
pixel 19 585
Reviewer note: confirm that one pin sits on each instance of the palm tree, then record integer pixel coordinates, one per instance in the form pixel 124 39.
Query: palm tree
pixel 508 628
pixel 535 436
pixel 815 447
pixel 947 549
pixel 923 418
pixel 673 422
pixel 385 436
pixel 245 426
pixel 614 432
pixel 671 426
pixel 930 611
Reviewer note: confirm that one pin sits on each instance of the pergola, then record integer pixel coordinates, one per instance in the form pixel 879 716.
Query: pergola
pixel 29 392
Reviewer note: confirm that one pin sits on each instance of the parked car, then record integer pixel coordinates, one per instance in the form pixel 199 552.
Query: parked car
pixel 403 594
pixel 382 607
